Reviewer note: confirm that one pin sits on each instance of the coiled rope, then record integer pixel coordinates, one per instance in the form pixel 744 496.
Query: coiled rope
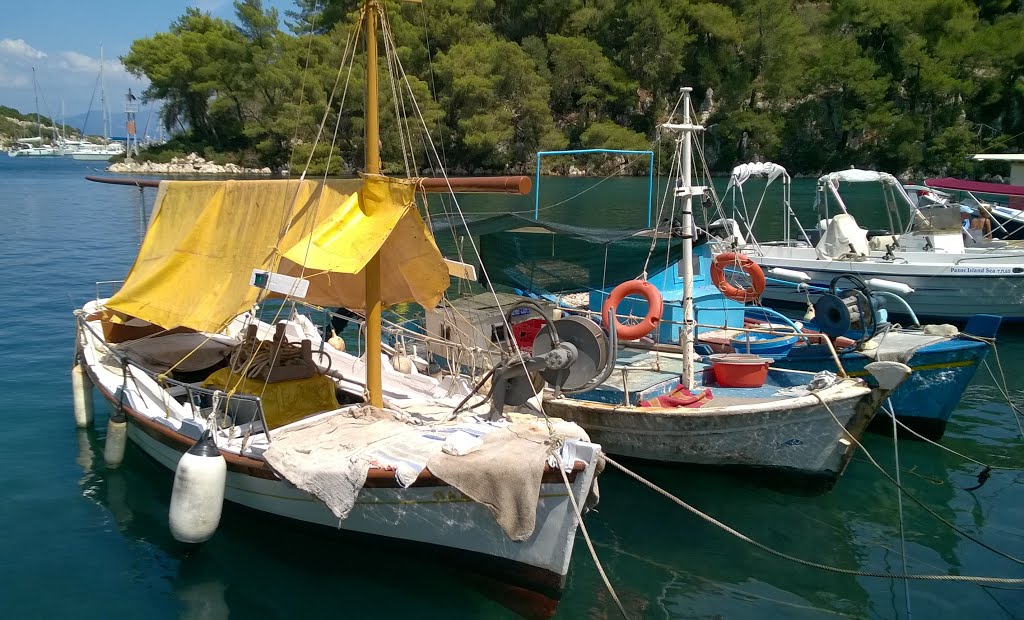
pixel 254 357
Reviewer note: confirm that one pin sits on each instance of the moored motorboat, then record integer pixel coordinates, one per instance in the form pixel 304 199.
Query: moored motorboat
pixel 927 252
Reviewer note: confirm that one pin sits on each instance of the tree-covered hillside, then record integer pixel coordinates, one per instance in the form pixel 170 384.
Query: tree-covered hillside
pixel 900 85
pixel 15 125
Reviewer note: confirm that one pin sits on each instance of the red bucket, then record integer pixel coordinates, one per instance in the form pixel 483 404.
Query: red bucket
pixel 740 370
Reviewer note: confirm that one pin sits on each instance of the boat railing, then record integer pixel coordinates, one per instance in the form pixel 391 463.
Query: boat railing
pixel 773 330
pixel 203 402
pixel 113 286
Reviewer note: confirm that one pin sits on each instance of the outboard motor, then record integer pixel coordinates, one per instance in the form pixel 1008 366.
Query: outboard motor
pixel 855 309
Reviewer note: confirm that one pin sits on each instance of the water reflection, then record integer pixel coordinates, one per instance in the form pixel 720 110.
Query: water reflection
pixel 672 564
pixel 258 566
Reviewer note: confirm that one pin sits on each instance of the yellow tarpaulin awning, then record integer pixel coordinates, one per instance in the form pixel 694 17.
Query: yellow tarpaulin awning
pixel 206 237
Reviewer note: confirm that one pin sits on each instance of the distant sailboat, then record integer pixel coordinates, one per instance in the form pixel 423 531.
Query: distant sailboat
pixel 109 148
pixel 25 148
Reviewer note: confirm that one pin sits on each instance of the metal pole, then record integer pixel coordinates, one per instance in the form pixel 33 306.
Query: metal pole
pixel 686 215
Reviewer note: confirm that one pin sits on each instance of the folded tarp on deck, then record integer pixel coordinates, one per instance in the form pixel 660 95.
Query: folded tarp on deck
pixel 206 237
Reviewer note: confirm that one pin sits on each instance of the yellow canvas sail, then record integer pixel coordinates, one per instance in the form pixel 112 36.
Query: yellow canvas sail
pixel 206 237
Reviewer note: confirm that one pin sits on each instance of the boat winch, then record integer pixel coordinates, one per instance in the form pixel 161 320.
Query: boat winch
pixel 856 309
pixel 571 354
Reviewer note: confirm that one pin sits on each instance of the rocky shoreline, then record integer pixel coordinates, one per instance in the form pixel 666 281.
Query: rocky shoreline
pixel 190 164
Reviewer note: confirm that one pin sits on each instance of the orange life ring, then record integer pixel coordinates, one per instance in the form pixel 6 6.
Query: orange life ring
pixel 752 269
pixel 654 309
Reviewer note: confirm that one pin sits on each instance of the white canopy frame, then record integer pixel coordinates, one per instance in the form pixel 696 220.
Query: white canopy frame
pixel 892 192
pixel 770 172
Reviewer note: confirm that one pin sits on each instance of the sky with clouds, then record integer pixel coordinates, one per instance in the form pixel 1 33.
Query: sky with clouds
pixel 61 39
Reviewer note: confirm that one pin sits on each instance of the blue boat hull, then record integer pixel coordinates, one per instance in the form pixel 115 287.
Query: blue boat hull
pixel 925 401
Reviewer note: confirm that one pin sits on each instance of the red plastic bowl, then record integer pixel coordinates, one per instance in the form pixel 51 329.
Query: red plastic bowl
pixel 739 370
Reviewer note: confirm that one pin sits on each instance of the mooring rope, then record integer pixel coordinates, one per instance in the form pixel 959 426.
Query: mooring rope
pixel 586 536
pixel 1001 382
pixel 921 437
pixel 792 558
pixel 913 497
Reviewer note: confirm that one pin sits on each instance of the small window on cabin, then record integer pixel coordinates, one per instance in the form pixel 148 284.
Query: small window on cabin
pixel 696 267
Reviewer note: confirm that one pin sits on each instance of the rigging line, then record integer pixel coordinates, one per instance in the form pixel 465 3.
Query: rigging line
pixel 946 448
pixel 313 216
pixel 88 110
pixel 676 165
pixel 388 52
pixel 433 86
pixel 401 100
pixel 586 537
pixel 913 497
pixel 1004 389
pixel 350 45
pixel 483 268
pixel 398 112
pixel 1005 394
pixel 302 83
pixel 401 116
pixel 899 505
pixel 785 556
pixel 389 38
pixel 426 132
pixel 675 108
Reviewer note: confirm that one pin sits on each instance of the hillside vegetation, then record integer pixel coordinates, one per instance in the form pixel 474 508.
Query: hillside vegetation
pixel 908 86
pixel 15 125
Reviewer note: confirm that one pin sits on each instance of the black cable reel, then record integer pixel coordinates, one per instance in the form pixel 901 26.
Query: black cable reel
pixel 844 309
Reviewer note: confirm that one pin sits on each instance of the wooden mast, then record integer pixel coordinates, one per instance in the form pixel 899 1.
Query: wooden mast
pixel 373 302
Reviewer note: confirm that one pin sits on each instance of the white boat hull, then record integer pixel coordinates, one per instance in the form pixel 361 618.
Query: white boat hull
pixel 92 156
pixel 34 152
pixel 429 513
pixel 796 436
pixel 979 283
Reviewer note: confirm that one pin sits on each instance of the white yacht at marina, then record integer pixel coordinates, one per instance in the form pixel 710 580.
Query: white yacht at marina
pixel 928 252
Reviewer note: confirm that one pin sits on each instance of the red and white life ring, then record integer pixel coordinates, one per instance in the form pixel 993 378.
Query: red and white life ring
pixel 654 309
pixel 752 269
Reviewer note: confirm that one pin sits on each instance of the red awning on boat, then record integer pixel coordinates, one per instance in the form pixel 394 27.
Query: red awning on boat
pixel 1001 189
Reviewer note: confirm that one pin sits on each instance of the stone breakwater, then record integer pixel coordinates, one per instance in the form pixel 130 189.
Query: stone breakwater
pixel 190 164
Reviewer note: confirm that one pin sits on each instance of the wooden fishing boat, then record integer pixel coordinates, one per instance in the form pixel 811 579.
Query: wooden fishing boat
pixel 265 412
pixel 654 401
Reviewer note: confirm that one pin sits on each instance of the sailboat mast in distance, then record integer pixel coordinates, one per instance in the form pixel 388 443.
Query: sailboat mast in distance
pixel 35 95
pixel 104 112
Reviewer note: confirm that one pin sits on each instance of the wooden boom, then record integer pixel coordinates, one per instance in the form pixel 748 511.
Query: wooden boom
pixel 520 185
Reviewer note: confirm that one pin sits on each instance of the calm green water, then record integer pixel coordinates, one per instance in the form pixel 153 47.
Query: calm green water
pixel 83 541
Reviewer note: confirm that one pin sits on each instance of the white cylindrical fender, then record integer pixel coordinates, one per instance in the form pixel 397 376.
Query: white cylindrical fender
pixel 81 391
pixel 789 274
pixel 198 495
pixel 117 438
pixel 898 288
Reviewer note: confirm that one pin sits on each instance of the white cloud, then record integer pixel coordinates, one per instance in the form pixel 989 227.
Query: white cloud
pixel 18 48
pixel 63 76
pixel 76 62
